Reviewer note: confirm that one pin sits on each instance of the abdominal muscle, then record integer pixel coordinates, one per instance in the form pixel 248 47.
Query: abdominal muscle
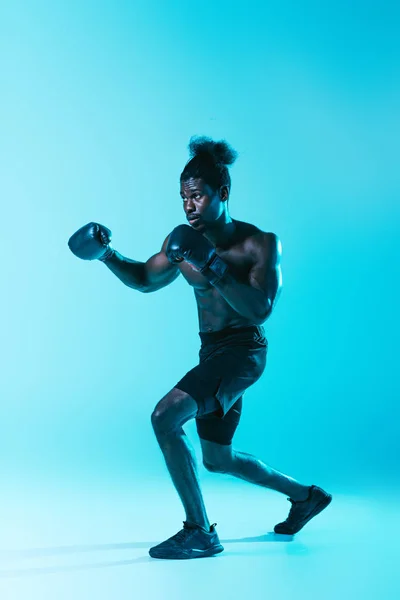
pixel 215 313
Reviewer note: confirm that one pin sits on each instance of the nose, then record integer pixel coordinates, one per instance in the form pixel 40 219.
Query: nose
pixel 189 207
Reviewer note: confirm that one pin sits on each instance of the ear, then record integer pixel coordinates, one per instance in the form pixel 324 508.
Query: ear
pixel 224 193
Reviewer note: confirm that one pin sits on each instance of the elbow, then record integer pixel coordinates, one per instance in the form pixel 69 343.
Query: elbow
pixel 147 290
pixel 147 287
pixel 260 319
pixel 262 315
pixel 139 287
pixel 144 285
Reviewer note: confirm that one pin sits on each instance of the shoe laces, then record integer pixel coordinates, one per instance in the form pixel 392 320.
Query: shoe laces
pixel 184 533
pixel 189 530
pixel 298 507
pixel 294 508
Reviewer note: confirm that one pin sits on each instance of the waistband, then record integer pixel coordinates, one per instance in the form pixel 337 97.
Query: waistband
pixel 212 337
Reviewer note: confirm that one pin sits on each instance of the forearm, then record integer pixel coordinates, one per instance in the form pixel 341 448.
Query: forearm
pixel 131 272
pixel 244 299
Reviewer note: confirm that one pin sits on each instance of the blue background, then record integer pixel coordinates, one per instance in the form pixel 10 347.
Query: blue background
pixel 98 102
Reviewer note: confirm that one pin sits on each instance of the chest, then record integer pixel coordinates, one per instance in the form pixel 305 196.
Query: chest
pixel 237 258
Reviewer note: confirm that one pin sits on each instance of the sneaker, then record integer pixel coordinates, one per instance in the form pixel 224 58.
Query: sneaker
pixel 301 512
pixel 190 542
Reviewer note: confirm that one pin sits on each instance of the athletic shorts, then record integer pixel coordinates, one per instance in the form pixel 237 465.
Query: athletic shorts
pixel 231 360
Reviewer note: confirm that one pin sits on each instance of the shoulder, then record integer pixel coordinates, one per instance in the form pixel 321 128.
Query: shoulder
pixel 246 230
pixel 259 242
pixel 270 241
pixel 165 242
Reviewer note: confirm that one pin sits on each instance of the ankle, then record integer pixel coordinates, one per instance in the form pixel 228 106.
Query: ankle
pixel 302 494
pixel 201 524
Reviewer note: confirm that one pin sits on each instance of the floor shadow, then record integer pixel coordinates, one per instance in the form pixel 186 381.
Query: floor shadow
pixel 65 550
pixel 9 573
pixel 60 550
pixel 267 537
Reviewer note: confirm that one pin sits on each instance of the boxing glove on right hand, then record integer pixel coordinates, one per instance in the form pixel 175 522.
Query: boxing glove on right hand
pixel 91 242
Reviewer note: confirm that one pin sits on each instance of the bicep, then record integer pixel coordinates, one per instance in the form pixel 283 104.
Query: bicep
pixel 266 273
pixel 159 272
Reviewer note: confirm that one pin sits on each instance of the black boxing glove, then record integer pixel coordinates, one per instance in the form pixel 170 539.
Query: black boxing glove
pixel 187 244
pixel 91 242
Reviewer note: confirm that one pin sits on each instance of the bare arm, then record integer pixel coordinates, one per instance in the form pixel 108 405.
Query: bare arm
pixel 150 276
pixel 256 299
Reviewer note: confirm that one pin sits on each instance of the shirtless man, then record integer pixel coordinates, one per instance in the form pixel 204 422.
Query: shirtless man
pixel 234 269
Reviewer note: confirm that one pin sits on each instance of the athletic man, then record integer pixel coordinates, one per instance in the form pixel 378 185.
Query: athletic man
pixel 234 269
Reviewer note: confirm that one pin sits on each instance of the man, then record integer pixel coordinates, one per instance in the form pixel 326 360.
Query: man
pixel 234 269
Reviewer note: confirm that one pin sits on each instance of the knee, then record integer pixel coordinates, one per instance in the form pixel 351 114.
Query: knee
pixel 164 417
pixel 217 458
pixel 173 411
pixel 160 420
pixel 216 466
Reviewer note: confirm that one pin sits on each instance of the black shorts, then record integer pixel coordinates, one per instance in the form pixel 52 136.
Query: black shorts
pixel 231 360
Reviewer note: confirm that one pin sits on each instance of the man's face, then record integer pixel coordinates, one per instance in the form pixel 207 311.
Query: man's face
pixel 202 205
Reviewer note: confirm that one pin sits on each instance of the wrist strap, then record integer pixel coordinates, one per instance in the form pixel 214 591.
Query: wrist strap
pixel 215 269
pixel 108 254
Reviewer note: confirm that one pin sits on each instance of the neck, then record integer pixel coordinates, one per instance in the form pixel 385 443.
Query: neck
pixel 221 231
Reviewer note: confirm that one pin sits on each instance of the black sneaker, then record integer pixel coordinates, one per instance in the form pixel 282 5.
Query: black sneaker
pixel 302 511
pixel 190 542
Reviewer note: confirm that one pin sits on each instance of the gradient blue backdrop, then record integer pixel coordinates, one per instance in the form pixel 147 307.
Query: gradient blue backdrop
pixel 98 102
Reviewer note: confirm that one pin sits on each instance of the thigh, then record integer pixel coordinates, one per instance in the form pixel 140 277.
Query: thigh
pixel 218 428
pixel 202 383
pixel 218 382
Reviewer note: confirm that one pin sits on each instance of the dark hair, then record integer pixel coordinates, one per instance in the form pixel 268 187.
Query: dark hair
pixel 209 161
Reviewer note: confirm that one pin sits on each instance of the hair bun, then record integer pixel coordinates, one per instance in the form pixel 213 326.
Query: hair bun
pixel 221 153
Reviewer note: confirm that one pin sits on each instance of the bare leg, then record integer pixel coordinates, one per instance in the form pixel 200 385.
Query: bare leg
pixel 248 467
pixel 170 414
pixel 223 459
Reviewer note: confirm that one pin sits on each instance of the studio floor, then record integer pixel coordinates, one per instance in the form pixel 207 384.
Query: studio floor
pixel 90 540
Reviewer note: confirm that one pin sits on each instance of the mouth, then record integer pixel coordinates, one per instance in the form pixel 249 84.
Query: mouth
pixel 193 218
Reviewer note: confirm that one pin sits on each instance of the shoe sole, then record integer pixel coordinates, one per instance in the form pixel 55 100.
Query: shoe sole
pixel 317 509
pixel 193 554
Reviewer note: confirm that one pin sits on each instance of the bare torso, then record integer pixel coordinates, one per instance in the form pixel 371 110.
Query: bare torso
pixel 214 312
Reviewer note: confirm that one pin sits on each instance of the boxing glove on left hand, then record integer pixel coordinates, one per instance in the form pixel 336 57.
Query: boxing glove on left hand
pixel 187 244
pixel 91 242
